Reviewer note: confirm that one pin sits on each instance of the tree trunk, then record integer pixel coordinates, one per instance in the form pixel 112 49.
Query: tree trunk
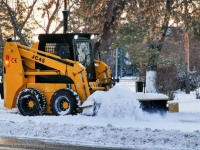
pixel 1 35
pixel 158 45
pixel 153 45
pixel 187 82
pixel 110 26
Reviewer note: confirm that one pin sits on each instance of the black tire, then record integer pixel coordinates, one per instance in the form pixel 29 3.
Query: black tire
pixel 65 96
pixel 1 91
pixel 34 95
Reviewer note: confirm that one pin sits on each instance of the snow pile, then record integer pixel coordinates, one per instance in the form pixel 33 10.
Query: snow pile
pixel 117 102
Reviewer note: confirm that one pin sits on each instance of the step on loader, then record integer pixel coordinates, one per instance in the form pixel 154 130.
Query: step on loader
pixel 54 76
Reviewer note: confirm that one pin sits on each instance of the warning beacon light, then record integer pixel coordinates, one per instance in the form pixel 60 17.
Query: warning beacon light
pixel 7 61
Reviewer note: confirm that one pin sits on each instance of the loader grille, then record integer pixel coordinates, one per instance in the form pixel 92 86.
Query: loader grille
pixel 53 48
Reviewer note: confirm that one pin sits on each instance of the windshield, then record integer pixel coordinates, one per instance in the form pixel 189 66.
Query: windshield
pixel 83 49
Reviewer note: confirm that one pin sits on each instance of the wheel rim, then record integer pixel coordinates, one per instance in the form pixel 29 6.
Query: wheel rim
pixel 31 104
pixel 62 105
pixel 65 105
pixel 27 104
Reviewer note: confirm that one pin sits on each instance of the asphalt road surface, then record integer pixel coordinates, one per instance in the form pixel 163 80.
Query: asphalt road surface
pixel 26 144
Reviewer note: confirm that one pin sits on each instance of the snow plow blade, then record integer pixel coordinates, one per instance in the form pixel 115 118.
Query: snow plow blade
pixel 154 105
pixel 173 107
pixel 150 103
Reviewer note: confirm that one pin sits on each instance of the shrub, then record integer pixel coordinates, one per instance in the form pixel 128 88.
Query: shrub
pixel 166 80
pixel 194 79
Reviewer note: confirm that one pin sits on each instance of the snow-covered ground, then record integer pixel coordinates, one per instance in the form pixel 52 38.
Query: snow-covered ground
pixel 119 123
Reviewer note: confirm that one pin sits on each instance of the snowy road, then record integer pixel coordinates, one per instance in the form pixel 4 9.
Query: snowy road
pixel 128 128
pixel 24 144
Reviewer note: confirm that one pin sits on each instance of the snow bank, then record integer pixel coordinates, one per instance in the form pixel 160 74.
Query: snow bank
pixel 103 136
pixel 174 131
pixel 118 102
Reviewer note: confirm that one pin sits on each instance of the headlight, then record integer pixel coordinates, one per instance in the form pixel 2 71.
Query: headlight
pixel 92 36
pixel 75 36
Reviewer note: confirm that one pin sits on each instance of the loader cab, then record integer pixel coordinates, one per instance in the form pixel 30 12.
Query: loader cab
pixel 73 46
pixel 83 53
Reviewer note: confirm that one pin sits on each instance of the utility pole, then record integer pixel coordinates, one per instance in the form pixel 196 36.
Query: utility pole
pixel 116 63
pixel 121 62
pixel 65 17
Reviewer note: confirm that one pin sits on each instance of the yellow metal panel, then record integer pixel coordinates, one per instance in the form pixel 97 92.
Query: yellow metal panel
pixel 80 88
pixel 109 76
pixel 73 87
pixel 30 64
pixel 103 76
pixel 48 96
pixel 174 107
pixel 102 67
pixel 35 45
pixel 102 72
pixel 78 80
pixel 14 105
pixel 44 60
pixel 98 88
pixel 95 87
pixel 46 87
pixel 13 75
pixel 86 84
pixel 94 84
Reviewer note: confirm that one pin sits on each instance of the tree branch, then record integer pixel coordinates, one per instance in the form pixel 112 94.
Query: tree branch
pixel 28 16
pixel 53 15
pixel 14 23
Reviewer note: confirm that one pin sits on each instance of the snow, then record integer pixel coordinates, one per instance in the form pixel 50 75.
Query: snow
pixel 118 102
pixel 114 126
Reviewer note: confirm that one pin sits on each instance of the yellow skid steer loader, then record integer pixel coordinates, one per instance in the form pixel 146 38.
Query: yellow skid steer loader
pixel 55 76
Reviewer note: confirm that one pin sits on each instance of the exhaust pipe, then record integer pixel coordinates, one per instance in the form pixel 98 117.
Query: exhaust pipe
pixel 65 20
pixel 65 17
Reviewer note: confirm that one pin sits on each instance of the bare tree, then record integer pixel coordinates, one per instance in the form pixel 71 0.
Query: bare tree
pixel 13 20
